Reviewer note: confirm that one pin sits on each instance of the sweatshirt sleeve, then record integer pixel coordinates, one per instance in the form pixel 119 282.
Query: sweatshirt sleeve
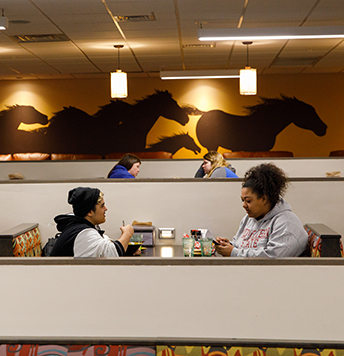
pixel 287 238
pixel 223 172
pixel 89 243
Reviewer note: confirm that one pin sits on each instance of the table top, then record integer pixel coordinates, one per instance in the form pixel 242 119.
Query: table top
pixel 166 251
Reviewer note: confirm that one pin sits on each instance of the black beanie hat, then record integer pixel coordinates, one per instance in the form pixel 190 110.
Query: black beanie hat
pixel 83 200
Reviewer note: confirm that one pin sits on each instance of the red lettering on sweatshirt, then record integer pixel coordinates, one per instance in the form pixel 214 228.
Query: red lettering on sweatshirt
pixel 251 237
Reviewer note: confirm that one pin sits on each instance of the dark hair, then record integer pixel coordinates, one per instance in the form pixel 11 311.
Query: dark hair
pixel 266 179
pixel 127 162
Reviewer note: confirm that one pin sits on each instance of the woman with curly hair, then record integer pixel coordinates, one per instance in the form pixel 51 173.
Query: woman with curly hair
pixel 215 166
pixel 270 228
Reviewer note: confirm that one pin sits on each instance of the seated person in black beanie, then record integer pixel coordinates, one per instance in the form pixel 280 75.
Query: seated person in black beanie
pixel 80 234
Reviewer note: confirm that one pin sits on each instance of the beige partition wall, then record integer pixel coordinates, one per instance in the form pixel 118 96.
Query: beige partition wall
pixel 272 299
pixel 182 204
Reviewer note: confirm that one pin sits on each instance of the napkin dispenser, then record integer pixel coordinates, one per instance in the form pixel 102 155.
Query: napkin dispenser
pixel 147 232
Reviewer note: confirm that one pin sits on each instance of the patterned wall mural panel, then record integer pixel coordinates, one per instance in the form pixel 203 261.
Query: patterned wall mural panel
pixel 122 127
pixel 159 350
pixel 76 350
pixel 243 351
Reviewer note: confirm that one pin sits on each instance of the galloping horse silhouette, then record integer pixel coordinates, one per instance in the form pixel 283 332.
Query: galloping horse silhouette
pixel 174 143
pixel 12 139
pixel 72 130
pixel 116 127
pixel 125 126
pixel 258 130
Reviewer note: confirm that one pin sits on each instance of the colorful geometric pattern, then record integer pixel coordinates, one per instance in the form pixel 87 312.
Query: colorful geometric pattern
pixel 28 244
pixel 76 350
pixel 159 350
pixel 243 351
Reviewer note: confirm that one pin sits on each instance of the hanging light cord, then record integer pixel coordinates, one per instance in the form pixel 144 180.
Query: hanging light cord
pixel 118 59
pixel 247 44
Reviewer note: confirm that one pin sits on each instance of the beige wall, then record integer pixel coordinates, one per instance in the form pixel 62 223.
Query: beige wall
pixel 175 168
pixel 323 91
pixel 180 204
pixel 277 302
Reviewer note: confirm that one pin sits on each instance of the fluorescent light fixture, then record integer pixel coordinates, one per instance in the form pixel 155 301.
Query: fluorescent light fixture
pixel 272 33
pixel 3 23
pixel 200 74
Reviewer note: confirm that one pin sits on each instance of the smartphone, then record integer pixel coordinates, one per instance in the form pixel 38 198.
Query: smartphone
pixel 215 242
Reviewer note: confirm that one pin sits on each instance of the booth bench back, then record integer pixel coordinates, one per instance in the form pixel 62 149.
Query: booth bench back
pixel 323 241
pixel 23 240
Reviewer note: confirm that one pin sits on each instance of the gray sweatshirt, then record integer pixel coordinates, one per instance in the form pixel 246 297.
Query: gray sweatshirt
pixel 278 234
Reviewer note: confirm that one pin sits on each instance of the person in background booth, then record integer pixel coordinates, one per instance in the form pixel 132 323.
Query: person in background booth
pixel 215 166
pixel 127 167
pixel 270 228
pixel 80 233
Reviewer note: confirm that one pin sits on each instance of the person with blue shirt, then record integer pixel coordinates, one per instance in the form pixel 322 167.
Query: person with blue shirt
pixel 215 166
pixel 127 167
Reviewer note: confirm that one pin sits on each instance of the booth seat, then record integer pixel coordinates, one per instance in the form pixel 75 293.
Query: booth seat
pixel 337 153
pixel 39 156
pixel 35 156
pixel 71 156
pixel 256 154
pixel 6 157
pixel 142 155
pixel 23 240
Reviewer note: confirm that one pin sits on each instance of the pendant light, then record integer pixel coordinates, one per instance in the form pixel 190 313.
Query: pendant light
pixel 119 86
pixel 248 78
pixel 3 21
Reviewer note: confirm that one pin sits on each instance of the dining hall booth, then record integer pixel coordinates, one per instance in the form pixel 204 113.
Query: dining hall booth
pixel 172 305
pixel 176 305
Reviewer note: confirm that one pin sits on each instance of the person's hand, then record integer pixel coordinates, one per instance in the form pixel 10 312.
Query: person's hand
pixel 137 252
pixel 224 247
pixel 128 230
pixel 127 233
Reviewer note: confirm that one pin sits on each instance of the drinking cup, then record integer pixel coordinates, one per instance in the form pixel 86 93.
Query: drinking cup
pixel 206 247
pixel 137 238
pixel 188 246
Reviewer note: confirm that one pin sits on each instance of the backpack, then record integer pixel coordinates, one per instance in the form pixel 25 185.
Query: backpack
pixel 48 247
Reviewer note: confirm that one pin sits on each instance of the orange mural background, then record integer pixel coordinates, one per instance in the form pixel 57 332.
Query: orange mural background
pixel 323 92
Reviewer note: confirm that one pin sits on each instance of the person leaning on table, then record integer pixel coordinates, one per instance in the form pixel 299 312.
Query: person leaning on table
pixel 270 228
pixel 80 234
pixel 215 166
pixel 127 167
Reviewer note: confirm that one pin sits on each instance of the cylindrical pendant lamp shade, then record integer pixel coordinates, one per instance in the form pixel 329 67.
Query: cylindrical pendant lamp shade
pixel 119 87
pixel 248 81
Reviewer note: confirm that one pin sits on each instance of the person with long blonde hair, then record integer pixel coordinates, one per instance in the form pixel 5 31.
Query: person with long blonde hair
pixel 215 166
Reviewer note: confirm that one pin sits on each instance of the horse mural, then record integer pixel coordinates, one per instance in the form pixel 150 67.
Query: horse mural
pixel 116 127
pixel 258 130
pixel 12 139
pixel 72 130
pixel 125 126
pixel 174 143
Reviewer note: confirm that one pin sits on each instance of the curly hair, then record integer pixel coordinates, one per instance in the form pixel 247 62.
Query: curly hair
pixel 266 179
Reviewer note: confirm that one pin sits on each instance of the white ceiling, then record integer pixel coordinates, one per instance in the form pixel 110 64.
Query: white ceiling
pixel 164 43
